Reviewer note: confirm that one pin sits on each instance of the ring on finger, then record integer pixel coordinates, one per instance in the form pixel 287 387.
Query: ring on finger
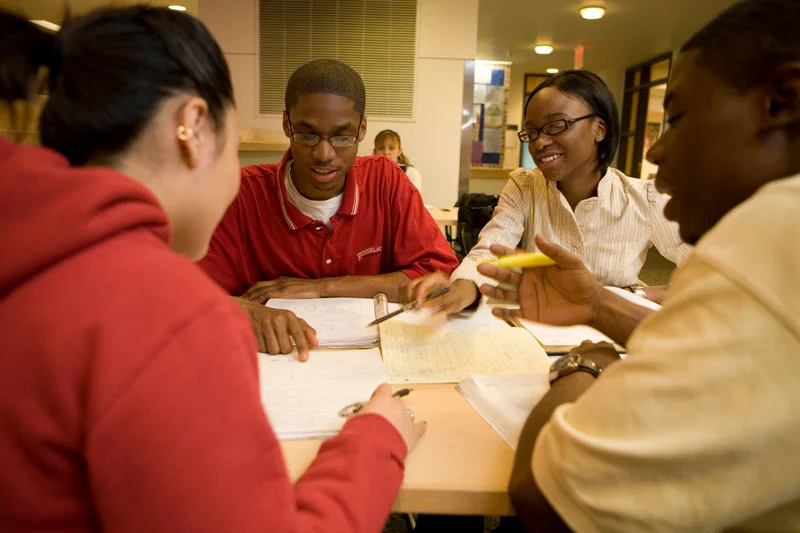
pixel 411 413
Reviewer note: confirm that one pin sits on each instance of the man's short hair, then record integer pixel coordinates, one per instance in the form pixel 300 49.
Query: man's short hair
pixel 746 43
pixel 327 76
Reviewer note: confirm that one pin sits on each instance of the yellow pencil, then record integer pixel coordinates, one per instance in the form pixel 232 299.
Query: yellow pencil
pixel 529 260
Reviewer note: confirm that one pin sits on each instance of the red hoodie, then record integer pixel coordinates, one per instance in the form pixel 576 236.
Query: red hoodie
pixel 128 388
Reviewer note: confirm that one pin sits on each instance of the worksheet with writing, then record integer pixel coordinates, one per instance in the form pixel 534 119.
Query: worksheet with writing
pixel 415 353
pixel 303 400
pixel 339 322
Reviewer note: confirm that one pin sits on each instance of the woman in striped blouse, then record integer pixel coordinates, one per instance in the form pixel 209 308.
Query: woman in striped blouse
pixel 572 198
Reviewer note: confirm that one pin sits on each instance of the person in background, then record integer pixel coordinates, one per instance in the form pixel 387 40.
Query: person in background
pixel 128 379
pixel 697 429
pixel 387 143
pixel 572 198
pixel 323 222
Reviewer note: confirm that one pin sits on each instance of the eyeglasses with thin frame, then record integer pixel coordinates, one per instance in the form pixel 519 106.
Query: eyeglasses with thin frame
pixel 551 129
pixel 312 139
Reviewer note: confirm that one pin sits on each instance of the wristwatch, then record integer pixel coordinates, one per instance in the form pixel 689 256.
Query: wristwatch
pixel 639 291
pixel 570 363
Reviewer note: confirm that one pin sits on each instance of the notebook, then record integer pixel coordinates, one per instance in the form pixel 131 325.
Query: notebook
pixel 339 322
pixel 505 402
pixel 302 400
pixel 558 340
pixel 421 353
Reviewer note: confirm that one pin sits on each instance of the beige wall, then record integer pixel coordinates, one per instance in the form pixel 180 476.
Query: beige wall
pixel 447 35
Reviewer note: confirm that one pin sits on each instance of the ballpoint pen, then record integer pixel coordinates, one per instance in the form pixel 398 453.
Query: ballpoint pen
pixel 408 307
pixel 353 408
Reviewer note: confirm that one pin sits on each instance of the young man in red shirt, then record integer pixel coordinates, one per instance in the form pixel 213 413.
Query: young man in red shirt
pixel 323 222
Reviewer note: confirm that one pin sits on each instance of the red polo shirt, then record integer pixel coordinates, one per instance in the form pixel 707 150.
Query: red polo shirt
pixel 381 227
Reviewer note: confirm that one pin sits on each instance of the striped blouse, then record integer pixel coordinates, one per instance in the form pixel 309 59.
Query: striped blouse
pixel 610 232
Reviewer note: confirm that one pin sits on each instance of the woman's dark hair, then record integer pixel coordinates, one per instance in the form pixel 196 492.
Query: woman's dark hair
pixel 108 73
pixel 402 159
pixel 591 89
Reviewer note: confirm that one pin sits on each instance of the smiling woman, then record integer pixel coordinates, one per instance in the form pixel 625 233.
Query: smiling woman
pixel 573 197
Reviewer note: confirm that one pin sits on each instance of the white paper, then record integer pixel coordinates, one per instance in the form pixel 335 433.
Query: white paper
pixel 302 400
pixel 628 295
pixel 505 402
pixel 339 322
pixel 482 318
pixel 559 337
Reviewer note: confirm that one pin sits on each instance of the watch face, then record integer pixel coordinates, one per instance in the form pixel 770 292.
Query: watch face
pixel 564 365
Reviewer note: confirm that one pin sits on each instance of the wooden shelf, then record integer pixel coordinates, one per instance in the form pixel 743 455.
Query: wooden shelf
pixel 264 146
pixel 490 173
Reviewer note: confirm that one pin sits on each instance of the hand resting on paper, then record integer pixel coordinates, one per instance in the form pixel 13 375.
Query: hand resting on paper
pixel 278 330
pixel 563 294
pixel 394 410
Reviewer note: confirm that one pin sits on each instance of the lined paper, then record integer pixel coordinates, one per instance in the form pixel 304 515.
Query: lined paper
pixel 340 322
pixel 414 353
pixel 302 400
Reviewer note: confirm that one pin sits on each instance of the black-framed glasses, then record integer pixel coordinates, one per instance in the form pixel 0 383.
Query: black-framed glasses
pixel 552 128
pixel 312 139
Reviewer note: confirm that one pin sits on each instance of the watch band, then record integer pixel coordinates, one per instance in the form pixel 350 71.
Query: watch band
pixel 639 291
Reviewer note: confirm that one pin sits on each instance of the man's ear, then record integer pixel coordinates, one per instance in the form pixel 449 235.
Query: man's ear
pixel 783 106
pixel 286 130
pixel 362 132
pixel 191 121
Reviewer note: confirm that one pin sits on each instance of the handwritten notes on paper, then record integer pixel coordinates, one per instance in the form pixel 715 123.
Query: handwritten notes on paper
pixel 303 400
pixel 340 322
pixel 415 353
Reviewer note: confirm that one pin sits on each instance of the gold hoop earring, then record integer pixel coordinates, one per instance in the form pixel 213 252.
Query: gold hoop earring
pixel 184 133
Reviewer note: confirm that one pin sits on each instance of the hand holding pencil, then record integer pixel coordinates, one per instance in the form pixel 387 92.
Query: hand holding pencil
pixel 555 287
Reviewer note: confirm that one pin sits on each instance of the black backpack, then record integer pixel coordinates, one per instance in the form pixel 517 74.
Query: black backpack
pixel 474 212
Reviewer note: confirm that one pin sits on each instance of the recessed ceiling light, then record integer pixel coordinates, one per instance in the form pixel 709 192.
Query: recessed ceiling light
pixel 177 8
pixel 543 49
pixel 552 71
pixel 593 12
pixel 46 24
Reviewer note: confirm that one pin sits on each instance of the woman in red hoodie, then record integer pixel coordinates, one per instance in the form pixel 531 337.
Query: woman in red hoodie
pixel 129 398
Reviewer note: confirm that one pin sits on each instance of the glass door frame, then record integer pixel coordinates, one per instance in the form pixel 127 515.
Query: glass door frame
pixel 637 83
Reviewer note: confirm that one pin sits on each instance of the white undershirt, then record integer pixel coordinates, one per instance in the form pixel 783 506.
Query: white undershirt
pixel 321 210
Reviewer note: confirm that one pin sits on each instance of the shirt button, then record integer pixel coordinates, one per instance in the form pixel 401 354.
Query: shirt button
pixel 328 262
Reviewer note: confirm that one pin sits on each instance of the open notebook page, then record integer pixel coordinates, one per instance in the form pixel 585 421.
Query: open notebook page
pixel 303 400
pixel 505 402
pixel 415 353
pixel 340 322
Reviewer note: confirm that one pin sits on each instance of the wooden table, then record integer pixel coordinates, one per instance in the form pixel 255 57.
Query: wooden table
pixel 444 216
pixel 461 465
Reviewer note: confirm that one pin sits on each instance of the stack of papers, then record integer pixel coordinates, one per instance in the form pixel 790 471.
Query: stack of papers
pixel 505 402
pixel 302 400
pixel 340 322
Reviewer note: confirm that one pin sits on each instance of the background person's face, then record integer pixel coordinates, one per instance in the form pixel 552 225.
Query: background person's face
pixel 388 147
pixel 319 171
pixel 713 155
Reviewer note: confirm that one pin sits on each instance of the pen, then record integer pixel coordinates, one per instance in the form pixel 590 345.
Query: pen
pixel 529 260
pixel 353 408
pixel 408 307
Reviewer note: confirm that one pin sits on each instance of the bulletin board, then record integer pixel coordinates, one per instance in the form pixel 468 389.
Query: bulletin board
pixel 489 114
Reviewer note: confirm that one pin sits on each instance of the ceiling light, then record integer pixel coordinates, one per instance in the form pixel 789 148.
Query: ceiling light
pixel 177 8
pixel 593 13
pixel 46 24
pixel 543 49
pixel 552 71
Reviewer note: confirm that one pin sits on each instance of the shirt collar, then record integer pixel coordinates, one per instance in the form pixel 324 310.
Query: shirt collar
pixel 350 199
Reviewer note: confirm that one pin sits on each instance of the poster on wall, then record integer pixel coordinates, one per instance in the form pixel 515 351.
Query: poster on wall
pixel 489 114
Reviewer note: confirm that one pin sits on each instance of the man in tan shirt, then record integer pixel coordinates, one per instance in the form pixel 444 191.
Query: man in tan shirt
pixel 699 428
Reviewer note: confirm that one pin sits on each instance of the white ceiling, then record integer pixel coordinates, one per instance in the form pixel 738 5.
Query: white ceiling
pixel 631 32
pixel 53 10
